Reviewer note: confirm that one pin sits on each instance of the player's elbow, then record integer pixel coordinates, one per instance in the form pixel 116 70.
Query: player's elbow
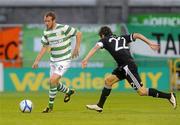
pixel 137 35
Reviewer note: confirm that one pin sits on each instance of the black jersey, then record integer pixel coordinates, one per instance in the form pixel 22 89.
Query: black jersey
pixel 118 47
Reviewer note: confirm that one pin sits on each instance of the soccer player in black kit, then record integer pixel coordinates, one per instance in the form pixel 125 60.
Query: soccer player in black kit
pixel 118 47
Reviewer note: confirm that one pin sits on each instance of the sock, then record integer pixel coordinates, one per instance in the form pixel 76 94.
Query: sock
pixel 158 94
pixel 105 93
pixel 52 95
pixel 62 88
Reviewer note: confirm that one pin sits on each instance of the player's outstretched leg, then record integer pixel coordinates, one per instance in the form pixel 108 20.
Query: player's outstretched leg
pixel 158 94
pixel 68 92
pixel 99 106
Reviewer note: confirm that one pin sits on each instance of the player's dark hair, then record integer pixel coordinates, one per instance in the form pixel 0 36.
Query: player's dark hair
pixel 51 14
pixel 106 31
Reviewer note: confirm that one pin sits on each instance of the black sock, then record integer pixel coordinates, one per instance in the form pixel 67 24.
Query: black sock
pixel 158 94
pixel 105 93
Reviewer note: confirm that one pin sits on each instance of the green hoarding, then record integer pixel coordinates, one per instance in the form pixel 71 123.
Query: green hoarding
pixel 89 79
pixel 153 19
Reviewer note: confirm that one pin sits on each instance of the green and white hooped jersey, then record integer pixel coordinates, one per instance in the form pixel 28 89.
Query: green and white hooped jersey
pixel 59 41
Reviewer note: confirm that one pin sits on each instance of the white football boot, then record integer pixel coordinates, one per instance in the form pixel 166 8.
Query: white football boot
pixel 172 100
pixel 94 107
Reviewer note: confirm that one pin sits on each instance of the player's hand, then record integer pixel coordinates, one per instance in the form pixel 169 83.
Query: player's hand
pixel 35 65
pixel 84 63
pixel 154 46
pixel 75 53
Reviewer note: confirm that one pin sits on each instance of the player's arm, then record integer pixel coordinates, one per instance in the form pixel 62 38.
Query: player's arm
pixel 89 55
pixel 153 46
pixel 70 32
pixel 39 56
pixel 77 46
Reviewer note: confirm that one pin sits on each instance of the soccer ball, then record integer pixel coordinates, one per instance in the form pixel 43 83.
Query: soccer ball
pixel 26 106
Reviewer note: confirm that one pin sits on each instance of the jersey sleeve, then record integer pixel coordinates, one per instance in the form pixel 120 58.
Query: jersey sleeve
pixel 70 31
pixel 129 38
pixel 100 43
pixel 44 41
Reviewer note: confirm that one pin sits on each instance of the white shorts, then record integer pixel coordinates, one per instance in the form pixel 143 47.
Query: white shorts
pixel 59 67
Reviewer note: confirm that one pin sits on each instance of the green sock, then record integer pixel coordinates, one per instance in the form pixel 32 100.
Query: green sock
pixel 52 95
pixel 62 88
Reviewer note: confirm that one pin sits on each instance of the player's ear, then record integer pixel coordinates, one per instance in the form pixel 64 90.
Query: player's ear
pixel 54 21
pixel 102 36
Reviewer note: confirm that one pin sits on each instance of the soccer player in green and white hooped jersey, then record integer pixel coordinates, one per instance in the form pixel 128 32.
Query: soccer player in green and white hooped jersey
pixel 57 38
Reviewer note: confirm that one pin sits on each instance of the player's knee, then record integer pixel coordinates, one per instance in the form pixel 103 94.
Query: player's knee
pixel 108 81
pixel 142 92
pixel 53 81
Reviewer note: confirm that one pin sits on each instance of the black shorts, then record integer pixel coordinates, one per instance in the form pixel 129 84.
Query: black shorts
pixel 130 73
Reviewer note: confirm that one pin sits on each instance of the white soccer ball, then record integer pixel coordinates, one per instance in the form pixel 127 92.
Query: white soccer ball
pixel 26 106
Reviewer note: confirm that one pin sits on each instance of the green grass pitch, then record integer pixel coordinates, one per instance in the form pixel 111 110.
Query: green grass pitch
pixel 125 108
